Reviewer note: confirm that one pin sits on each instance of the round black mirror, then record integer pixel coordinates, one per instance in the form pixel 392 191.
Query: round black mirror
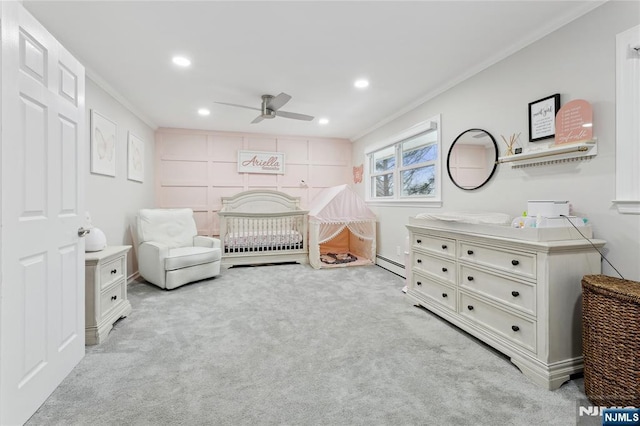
pixel 472 159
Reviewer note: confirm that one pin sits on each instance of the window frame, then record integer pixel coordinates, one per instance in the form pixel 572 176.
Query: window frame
pixel 627 127
pixel 397 199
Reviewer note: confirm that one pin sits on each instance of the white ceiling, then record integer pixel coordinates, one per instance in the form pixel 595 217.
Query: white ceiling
pixel 313 51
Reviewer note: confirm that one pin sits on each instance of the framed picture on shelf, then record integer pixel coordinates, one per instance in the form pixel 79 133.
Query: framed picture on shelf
pixel 135 158
pixel 542 118
pixel 103 145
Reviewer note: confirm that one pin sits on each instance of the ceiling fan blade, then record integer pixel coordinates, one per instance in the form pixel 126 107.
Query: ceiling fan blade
pixel 239 106
pixel 276 103
pixel 294 115
pixel 257 119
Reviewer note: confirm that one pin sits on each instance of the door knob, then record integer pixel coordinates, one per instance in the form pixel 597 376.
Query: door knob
pixel 82 232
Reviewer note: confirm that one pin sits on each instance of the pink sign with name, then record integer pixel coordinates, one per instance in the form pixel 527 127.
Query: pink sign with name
pixel 574 122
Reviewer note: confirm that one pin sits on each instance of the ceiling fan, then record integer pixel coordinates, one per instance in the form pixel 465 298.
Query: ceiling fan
pixel 271 108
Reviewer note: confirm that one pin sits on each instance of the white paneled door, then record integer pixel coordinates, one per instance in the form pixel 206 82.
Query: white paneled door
pixel 42 257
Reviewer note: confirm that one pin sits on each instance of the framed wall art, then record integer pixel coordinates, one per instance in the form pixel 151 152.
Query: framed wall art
pixel 103 145
pixel 542 117
pixel 135 158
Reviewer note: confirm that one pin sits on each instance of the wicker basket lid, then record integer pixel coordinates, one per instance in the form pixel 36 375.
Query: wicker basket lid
pixel 613 287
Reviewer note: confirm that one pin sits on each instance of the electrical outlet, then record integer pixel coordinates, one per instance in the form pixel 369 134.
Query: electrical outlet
pixel 398 251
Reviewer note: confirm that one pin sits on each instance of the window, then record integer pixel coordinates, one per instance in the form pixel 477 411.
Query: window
pixel 407 167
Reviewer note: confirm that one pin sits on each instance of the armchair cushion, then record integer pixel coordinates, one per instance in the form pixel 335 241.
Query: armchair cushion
pixel 202 241
pixel 171 227
pixel 183 257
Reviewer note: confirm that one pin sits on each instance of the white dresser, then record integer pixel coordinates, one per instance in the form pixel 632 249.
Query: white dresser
pixel 520 296
pixel 105 291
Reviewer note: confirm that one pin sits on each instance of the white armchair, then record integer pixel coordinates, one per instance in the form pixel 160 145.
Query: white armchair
pixel 170 253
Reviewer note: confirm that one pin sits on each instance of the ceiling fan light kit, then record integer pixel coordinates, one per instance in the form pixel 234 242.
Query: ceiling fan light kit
pixel 270 108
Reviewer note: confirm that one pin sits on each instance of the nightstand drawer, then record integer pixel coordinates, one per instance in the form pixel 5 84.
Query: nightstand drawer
pixel 112 271
pixel 441 246
pixel 512 327
pixel 516 294
pixel 439 293
pixel 105 294
pixel 441 268
pixel 111 297
pixel 518 263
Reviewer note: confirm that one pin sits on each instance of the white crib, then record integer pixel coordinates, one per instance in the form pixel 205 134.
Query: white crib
pixel 263 226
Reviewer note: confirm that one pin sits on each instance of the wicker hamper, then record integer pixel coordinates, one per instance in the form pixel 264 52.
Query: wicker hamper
pixel 611 340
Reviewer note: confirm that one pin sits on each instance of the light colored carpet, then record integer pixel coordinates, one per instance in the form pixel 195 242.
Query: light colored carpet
pixel 287 344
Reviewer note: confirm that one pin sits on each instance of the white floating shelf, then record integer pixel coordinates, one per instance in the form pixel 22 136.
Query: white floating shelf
pixel 552 154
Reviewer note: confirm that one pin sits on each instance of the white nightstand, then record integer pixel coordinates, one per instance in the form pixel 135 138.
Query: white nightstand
pixel 105 291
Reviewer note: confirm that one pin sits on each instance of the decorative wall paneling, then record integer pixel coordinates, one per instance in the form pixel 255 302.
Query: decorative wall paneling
pixel 195 168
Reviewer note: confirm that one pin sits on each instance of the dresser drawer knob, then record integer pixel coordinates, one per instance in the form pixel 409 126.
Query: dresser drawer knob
pixel 470 307
pixel 419 241
pixel 419 283
pixel 469 252
pixel 444 294
pixel 515 262
pixel 419 260
pixel 113 271
pixel 515 328
pixel 114 297
pixel 515 293
pixel 444 247
pixel 444 269
pixel 469 278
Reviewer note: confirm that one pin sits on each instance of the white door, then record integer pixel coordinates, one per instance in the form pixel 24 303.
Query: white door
pixel 42 257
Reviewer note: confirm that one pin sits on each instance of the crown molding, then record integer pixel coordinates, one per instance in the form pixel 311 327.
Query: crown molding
pixel 102 83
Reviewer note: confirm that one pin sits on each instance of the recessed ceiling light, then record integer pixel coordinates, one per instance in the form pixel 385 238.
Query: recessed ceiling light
pixel 362 83
pixel 323 121
pixel 181 61
pixel 204 111
pixel 587 125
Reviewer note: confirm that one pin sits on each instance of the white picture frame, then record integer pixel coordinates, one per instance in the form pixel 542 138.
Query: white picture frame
pixel 103 144
pixel 135 158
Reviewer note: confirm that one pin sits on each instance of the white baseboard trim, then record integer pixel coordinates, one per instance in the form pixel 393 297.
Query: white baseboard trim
pixel 133 277
pixel 391 265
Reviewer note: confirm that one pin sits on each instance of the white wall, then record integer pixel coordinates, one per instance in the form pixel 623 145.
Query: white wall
pixel 114 201
pixel 577 61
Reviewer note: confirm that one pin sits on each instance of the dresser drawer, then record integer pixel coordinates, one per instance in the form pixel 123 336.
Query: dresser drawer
pixel 441 246
pixel 112 271
pixel 441 268
pixel 516 294
pixel 111 297
pixel 439 293
pixel 516 329
pixel 518 263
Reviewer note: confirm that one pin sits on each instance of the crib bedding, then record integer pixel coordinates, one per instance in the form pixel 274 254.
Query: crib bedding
pixel 253 240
